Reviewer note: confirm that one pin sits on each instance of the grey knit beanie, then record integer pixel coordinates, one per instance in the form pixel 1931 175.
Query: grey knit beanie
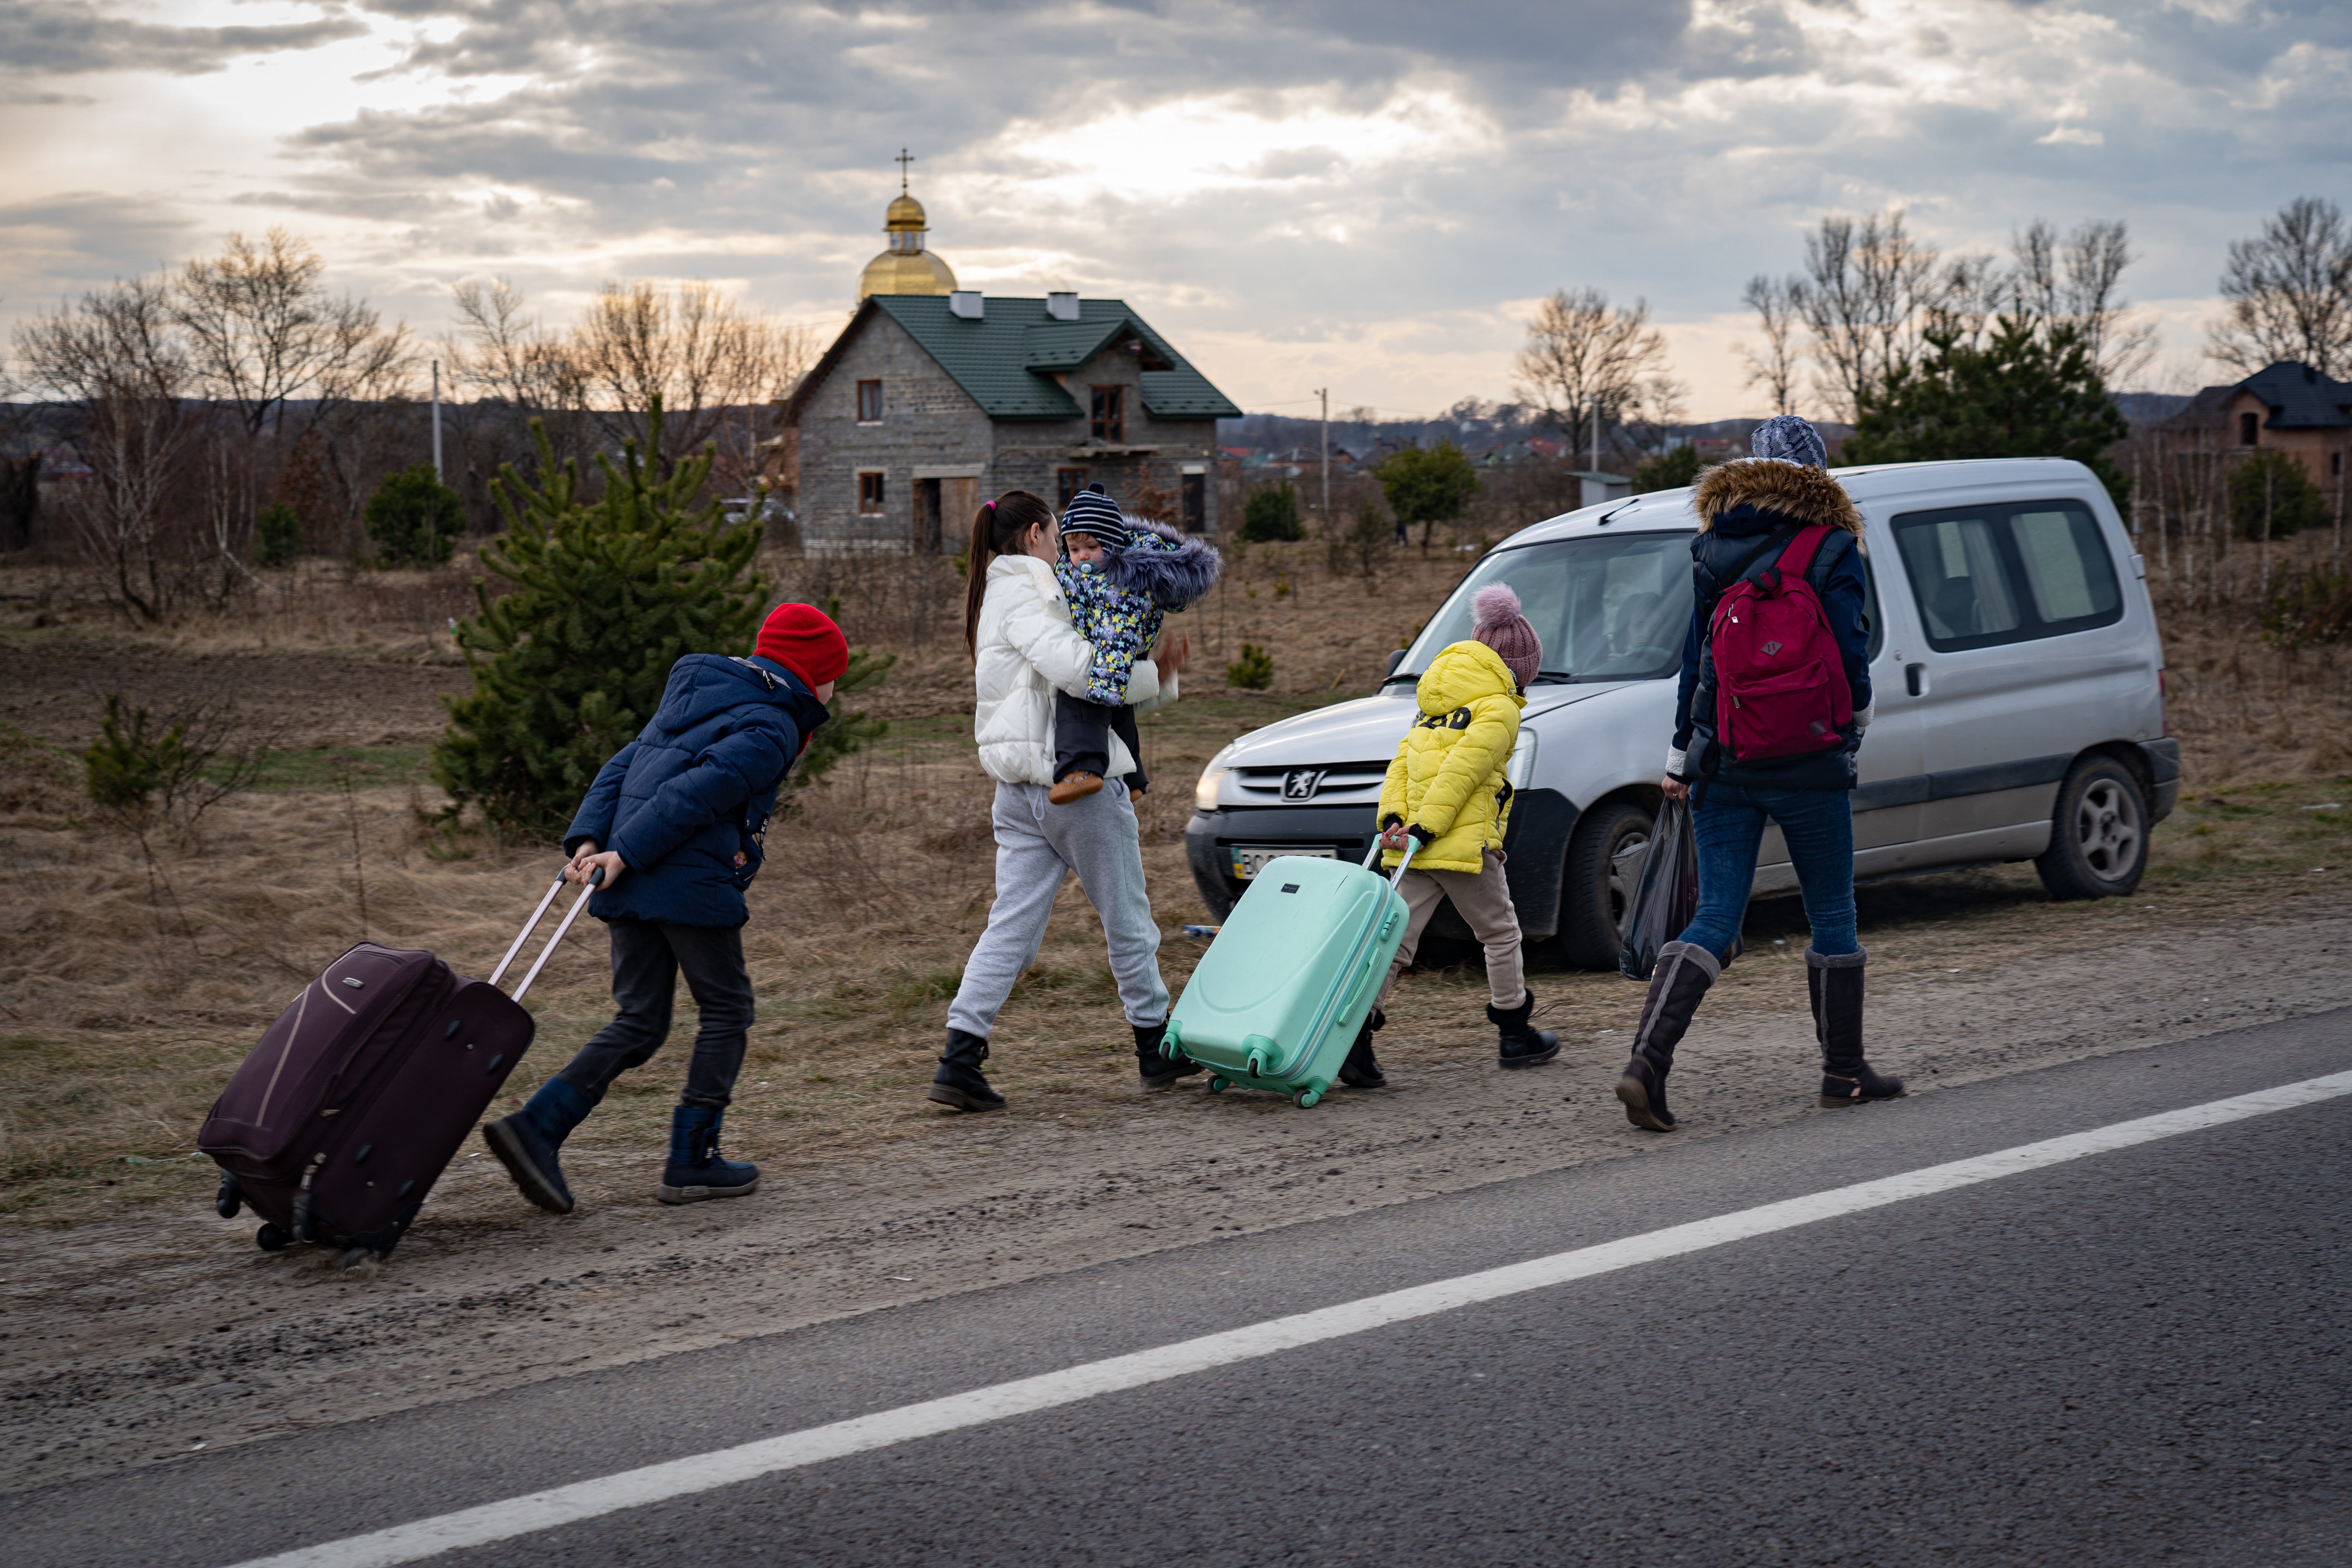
pixel 1789 439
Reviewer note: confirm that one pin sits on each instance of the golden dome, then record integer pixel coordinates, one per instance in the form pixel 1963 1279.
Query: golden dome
pixel 906 268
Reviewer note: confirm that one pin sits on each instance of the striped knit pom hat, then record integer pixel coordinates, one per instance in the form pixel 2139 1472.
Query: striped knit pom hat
pixel 1092 511
pixel 1496 620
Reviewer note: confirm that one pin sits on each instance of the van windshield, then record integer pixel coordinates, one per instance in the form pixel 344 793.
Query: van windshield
pixel 1608 609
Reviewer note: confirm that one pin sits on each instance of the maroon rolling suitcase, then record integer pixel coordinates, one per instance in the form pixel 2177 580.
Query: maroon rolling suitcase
pixel 336 1127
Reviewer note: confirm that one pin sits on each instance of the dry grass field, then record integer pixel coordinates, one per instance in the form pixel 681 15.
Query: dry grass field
pixel 133 976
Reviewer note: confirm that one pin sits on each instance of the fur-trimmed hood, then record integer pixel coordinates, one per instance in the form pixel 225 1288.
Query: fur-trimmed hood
pixel 1172 569
pixel 1798 493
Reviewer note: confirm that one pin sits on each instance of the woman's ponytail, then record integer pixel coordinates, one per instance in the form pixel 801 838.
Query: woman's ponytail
pixel 997 529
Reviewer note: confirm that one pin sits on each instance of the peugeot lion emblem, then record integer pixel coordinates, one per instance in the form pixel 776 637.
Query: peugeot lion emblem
pixel 1300 783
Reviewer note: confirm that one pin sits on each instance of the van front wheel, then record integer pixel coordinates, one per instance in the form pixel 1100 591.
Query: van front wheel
pixel 2098 834
pixel 1604 860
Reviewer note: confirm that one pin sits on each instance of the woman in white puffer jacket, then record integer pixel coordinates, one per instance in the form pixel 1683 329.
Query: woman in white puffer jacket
pixel 1024 647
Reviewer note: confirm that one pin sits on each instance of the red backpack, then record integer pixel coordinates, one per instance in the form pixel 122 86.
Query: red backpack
pixel 1780 680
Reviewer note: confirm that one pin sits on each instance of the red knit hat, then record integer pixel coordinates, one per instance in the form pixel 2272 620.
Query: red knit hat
pixel 803 639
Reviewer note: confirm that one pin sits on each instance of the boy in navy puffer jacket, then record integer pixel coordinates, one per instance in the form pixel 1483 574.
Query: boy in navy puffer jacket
pixel 675 821
pixel 1121 577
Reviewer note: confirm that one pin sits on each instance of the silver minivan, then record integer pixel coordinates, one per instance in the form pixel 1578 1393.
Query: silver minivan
pixel 2013 654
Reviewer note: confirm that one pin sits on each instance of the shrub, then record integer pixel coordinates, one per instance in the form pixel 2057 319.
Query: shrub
pixel 1272 516
pixel 1426 484
pixel 277 535
pixel 2313 606
pixel 414 519
pixel 2272 496
pixel 172 769
pixel 1253 671
pixel 1668 470
pixel 568 666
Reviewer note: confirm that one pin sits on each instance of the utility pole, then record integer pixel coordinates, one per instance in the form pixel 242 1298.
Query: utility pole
pixel 1326 396
pixel 437 421
pixel 1596 432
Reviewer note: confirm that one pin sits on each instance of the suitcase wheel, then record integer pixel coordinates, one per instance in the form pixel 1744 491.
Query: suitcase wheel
pixel 1305 1097
pixel 230 1199
pixel 1219 1085
pixel 271 1238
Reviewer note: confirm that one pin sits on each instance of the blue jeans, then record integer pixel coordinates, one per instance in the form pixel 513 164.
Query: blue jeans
pixel 1818 825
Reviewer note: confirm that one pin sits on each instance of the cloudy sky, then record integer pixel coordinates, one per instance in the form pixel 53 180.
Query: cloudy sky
pixel 1367 194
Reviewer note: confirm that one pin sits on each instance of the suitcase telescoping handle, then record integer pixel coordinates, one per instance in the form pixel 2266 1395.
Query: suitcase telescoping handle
pixel 1330 1009
pixel 595 880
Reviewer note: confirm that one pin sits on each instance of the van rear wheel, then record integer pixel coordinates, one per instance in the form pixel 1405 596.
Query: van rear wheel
pixel 1604 861
pixel 2098 834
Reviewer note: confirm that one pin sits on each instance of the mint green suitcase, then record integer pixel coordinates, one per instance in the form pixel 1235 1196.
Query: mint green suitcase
pixel 1278 998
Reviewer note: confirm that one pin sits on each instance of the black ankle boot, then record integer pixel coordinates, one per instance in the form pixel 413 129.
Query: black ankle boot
pixel 1834 984
pixel 1156 1069
pixel 959 1081
pixel 1521 1045
pixel 1363 1069
pixel 1684 974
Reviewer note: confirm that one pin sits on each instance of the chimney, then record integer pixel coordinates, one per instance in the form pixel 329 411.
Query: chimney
pixel 1063 306
pixel 966 303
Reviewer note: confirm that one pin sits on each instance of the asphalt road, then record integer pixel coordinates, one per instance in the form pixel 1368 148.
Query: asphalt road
pixel 2141 1356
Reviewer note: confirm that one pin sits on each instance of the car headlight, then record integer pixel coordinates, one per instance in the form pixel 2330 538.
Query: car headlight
pixel 1204 793
pixel 1523 759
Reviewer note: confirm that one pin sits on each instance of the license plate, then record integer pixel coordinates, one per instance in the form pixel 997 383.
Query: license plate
pixel 1249 859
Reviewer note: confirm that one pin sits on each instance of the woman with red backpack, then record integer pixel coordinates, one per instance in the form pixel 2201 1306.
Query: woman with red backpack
pixel 1775 696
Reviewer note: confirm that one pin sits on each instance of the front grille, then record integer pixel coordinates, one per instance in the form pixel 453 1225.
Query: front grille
pixel 1334 784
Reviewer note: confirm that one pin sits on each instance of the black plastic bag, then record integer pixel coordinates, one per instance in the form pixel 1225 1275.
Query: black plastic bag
pixel 1665 898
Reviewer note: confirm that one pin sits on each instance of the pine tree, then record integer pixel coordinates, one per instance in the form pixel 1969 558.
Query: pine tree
pixel 568 666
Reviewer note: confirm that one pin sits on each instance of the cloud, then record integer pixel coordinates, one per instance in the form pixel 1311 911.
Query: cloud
pixel 67 37
pixel 1345 190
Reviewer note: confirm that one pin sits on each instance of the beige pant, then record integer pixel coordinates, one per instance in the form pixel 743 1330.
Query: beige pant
pixel 1484 902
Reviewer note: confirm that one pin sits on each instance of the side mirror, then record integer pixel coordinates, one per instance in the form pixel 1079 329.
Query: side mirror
pixel 1395 659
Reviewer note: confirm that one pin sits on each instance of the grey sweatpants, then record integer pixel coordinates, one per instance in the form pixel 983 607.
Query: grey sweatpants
pixel 1484 902
pixel 1036 842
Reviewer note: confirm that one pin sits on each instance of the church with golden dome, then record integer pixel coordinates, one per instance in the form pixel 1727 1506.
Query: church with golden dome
pixel 935 398
pixel 906 266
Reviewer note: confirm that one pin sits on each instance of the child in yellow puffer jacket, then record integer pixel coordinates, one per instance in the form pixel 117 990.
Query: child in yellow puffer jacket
pixel 1448 788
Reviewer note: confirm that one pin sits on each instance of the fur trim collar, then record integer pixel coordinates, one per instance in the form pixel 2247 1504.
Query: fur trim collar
pixel 1172 569
pixel 1807 494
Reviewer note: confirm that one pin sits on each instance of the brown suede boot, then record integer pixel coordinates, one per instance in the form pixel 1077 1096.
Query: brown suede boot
pixel 1676 988
pixel 1834 984
pixel 1077 786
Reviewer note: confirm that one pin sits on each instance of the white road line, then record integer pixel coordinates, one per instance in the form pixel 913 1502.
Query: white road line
pixel 703 1472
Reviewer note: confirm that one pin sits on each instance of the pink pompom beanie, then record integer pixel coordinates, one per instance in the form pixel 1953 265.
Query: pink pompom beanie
pixel 1496 620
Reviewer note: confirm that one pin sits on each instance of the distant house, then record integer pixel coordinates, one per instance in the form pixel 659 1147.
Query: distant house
pixel 2287 406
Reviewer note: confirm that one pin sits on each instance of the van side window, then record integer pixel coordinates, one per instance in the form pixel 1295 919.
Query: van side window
pixel 2010 572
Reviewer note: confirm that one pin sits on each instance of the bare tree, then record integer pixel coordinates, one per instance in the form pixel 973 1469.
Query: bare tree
pixel 1867 288
pixel 1778 304
pixel 711 362
pixel 119 361
pixel 264 332
pixel 1583 360
pixel 2290 293
pixel 2074 282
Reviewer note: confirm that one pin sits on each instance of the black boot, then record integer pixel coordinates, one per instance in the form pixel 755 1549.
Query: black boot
pixel 1521 1045
pixel 697 1170
pixel 1154 1067
pixel 1835 986
pixel 959 1081
pixel 1362 1069
pixel 1685 971
pixel 528 1143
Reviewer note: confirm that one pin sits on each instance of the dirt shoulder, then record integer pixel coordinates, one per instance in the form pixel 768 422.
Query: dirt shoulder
pixel 127 1341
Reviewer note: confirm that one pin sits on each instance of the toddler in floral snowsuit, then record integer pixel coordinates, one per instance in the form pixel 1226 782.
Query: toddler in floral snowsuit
pixel 1121 577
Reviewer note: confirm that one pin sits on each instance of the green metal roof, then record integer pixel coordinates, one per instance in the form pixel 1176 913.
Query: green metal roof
pixel 1004 360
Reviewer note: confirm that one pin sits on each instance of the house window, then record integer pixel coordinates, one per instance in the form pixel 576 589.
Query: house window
pixel 2335 465
pixel 1110 414
pixel 869 403
pixel 869 495
pixel 1069 483
pixel 1196 502
pixel 2249 429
